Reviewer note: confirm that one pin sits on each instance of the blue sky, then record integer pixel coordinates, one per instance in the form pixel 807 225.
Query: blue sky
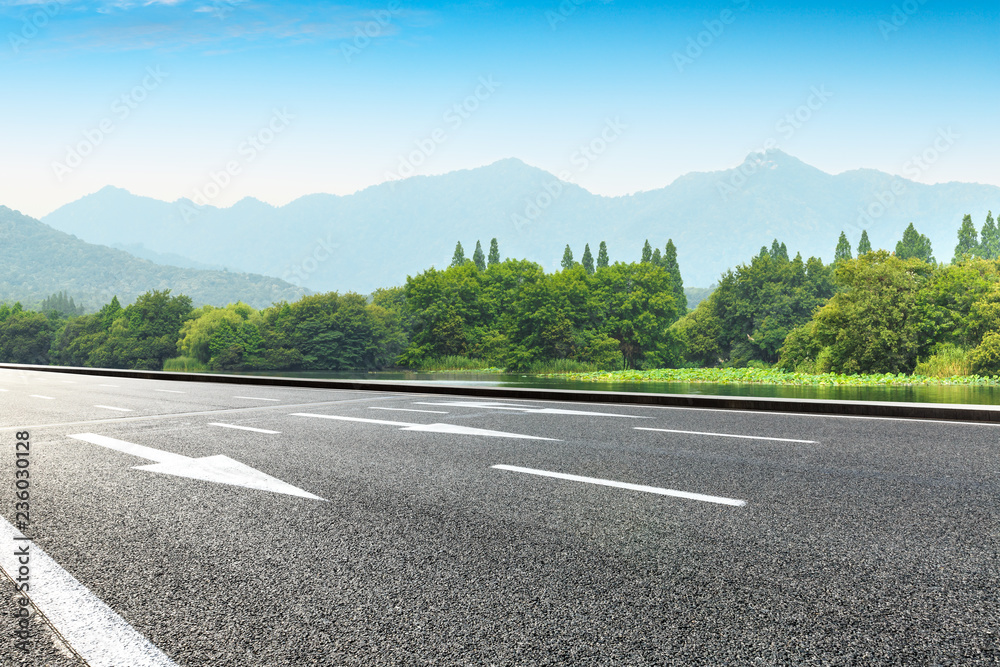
pixel 231 98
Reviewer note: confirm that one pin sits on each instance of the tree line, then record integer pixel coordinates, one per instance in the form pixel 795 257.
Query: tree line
pixel 509 314
pixel 868 311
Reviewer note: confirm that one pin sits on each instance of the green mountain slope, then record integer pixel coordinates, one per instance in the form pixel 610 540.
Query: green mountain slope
pixel 37 261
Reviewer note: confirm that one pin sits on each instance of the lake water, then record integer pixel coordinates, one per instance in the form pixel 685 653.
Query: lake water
pixel 918 394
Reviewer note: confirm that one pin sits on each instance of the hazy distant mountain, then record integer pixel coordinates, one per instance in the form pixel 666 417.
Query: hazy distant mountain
pixel 36 261
pixel 380 235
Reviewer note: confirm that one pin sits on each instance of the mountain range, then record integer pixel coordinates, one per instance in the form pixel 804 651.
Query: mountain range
pixel 37 261
pixel 379 235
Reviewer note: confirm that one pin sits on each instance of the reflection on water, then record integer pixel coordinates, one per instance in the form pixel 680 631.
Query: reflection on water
pixel 917 394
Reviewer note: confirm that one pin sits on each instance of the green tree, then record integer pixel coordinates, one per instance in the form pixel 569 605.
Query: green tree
pixel 864 245
pixel 647 253
pixel 968 240
pixel 638 306
pixel 478 258
pixel 458 258
pixel 914 245
pixel 588 260
pixel 674 270
pixel 843 250
pixel 989 246
pixel 602 256
pixel 874 324
pixel 494 257
pixel 567 258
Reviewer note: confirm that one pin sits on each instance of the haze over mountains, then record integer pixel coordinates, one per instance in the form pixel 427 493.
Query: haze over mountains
pixel 378 236
pixel 37 261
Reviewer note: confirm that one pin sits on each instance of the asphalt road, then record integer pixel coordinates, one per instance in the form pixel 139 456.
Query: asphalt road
pixel 386 536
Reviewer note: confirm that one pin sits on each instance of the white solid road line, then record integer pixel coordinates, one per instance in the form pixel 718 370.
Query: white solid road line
pixel 170 391
pixel 529 409
pixel 245 428
pixel 436 412
pixel 257 398
pixel 47 398
pixel 98 634
pixel 429 428
pixel 111 407
pixel 220 468
pixel 724 435
pixel 626 485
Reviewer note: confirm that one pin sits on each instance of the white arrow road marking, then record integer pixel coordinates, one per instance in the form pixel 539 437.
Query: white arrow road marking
pixel 430 428
pixel 724 435
pixel 626 485
pixel 110 407
pixel 220 468
pixel 245 428
pixel 97 633
pixel 532 410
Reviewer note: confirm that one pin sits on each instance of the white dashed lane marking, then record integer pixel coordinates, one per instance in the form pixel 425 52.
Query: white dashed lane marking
pixel 245 428
pixel 256 398
pixel 625 485
pixel 724 435
pixel 111 407
pixel 429 428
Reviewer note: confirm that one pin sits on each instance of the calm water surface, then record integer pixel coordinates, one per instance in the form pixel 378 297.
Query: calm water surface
pixel 921 394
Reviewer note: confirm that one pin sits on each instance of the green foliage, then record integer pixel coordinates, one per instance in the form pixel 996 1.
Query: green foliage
pixel 864 245
pixel 770 376
pixel 948 360
pixel 673 268
pixel 588 260
pixel 61 304
pixel 800 349
pixel 989 245
pixel 184 364
pixel 494 257
pixel 478 258
pixel 459 257
pixel 25 336
pixel 873 326
pixel 985 358
pixel 453 362
pixel 567 258
pixel 647 253
pixel 602 256
pixel 843 250
pixel 755 307
pixel 914 245
pixel 968 240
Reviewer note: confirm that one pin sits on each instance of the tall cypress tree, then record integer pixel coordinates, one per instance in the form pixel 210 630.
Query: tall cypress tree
pixel 656 260
pixel 494 257
pixel 567 260
pixel 647 253
pixel 602 256
pixel 458 259
pixel 843 250
pixel 674 269
pixel 989 244
pixel 864 245
pixel 588 260
pixel 968 240
pixel 479 258
pixel 914 244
